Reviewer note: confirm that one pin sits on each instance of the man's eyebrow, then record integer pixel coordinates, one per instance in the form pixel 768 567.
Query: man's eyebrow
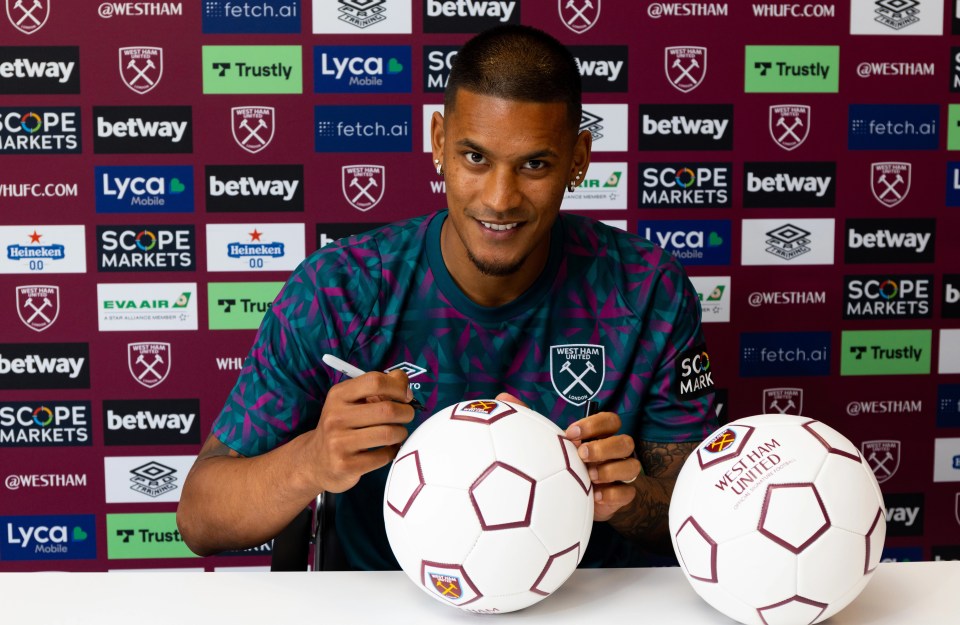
pixel 476 147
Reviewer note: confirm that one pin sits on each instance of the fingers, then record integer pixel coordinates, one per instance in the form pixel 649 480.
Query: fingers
pixel 610 498
pixel 507 397
pixel 597 425
pixel 610 448
pixel 393 386
pixel 623 471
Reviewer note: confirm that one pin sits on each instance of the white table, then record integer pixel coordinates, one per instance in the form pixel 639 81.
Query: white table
pixel 920 593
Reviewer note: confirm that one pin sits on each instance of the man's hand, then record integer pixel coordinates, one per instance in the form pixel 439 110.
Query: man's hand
pixel 361 428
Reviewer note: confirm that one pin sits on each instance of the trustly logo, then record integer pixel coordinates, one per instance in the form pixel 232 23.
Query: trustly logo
pixel 142 189
pixel 143 130
pixel 254 188
pixel 889 241
pixel 28 16
pixel 888 296
pixel 685 66
pixel 685 185
pixel 792 69
pixel 40 130
pixel 141 68
pixel 38 305
pixel 784 354
pixel 146 247
pixel 239 305
pixel 45 423
pixel 893 127
pixel 603 69
pixel 48 537
pixel 603 187
pixel 789 125
pixel 152 535
pixel 363 128
pixel 692 242
pixel 255 247
pixel 42 249
pixel 789 185
pixel 151 422
pixel 890 182
pixel 362 69
pixel 686 127
pixel 885 352
pixel 39 69
pixel 147 306
pixel 252 69
pixel 44 366
pixel 221 17
pixel 953 127
pixel 468 16
pixel 896 17
pixel 787 242
pixel 362 17
pixel 253 126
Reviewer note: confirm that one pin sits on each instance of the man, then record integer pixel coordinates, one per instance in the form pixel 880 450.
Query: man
pixel 499 295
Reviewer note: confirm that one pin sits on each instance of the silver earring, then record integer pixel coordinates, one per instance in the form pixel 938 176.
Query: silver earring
pixel 573 183
pixel 439 166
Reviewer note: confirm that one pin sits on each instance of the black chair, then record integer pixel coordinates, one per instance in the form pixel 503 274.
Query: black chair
pixel 314 525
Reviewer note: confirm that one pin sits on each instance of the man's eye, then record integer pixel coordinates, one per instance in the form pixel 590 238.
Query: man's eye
pixel 535 164
pixel 475 157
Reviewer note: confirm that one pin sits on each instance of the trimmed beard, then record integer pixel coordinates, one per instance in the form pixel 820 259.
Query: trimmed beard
pixel 497 270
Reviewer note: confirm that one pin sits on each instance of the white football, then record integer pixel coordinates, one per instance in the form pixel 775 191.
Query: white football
pixel 777 519
pixel 488 507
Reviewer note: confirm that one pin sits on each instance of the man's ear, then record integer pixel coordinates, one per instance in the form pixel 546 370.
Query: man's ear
pixel 436 136
pixel 581 155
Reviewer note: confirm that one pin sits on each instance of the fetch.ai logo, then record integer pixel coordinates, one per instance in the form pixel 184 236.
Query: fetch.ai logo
pixel 885 352
pixel 252 69
pixel 784 354
pixel 893 127
pixel 363 128
pixel 792 69
pixel 264 16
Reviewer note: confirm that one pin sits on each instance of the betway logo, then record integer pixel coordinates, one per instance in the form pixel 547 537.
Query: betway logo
pixel 38 364
pixel 602 69
pixel 682 125
pixel 917 241
pixel 25 68
pixel 147 420
pixel 137 127
pixel 785 183
pixel 471 8
pixel 903 514
pixel 249 186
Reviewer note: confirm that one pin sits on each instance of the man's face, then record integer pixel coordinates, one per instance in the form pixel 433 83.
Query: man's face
pixel 506 164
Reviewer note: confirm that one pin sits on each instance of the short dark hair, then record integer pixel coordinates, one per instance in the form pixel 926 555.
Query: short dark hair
pixel 517 62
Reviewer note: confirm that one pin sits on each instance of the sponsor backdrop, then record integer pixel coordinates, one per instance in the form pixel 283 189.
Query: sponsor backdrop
pixel 165 164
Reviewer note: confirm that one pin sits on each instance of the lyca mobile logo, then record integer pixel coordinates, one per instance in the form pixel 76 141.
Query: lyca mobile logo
pixel 254 247
pixel 239 305
pixel 885 352
pixel 362 69
pixel 362 17
pixel 141 68
pixel 252 69
pixel 363 128
pixel 44 366
pixel 48 537
pixel 266 16
pixel 146 248
pixel 254 188
pixel 686 127
pixel 893 127
pixel 40 130
pixel 143 130
pixel 673 185
pixel 45 424
pixel 151 422
pixel 792 69
pixel 889 241
pixel 42 249
pixel 888 297
pixel 468 16
pixel 692 242
pixel 953 184
pixel 138 189
pixel 789 185
pixel 36 69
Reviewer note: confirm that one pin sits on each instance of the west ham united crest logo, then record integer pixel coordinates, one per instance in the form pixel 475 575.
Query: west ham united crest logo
pixel 38 305
pixel 28 16
pixel 149 363
pixel 883 458
pixel 577 371
pixel 141 68
pixel 363 185
pixel 789 125
pixel 685 66
pixel 783 401
pixel 579 15
pixel 890 182
pixel 252 126
pixel 447 586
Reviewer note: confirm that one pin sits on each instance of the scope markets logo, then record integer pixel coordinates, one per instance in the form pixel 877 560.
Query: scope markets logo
pixel 792 69
pixel 363 128
pixel 239 305
pixel 686 127
pixel 362 17
pixel 765 354
pixel 222 17
pixel 437 62
pixel 893 127
pixel 948 406
pixel 787 242
pixel 603 187
pixel 328 233
pixel 888 297
pixel 789 185
pixel 946 461
pixel 143 130
pixel 151 422
pixel 44 365
pixel 39 69
pixel 686 185
pixel 714 294
pixel 889 241
pixel 146 248
pixel 43 249
pixel 904 513
pixel 45 424
pixel 40 130
pixel 885 352
pixel 48 537
pixel 255 247
pixel 897 17
pixel 254 188
pixel 362 69
pixel 692 242
pixel 145 479
pixel 252 69
pixel 468 16
pixel 139 189
pixel 950 304
pixel 152 535
pixel 141 306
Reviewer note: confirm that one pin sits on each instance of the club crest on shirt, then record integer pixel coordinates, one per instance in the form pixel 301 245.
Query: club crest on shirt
pixel 577 371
